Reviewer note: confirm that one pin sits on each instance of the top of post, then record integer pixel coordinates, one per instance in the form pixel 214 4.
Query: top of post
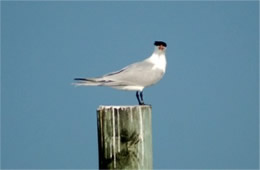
pixel 101 107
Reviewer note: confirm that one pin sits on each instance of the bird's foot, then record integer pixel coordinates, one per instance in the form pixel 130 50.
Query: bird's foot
pixel 141 103
pixel 144 104
pixel 140 99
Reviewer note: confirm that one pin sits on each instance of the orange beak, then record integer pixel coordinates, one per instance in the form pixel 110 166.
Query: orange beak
pixel 161 47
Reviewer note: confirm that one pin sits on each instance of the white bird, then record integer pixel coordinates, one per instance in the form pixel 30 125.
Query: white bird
pixel 134 77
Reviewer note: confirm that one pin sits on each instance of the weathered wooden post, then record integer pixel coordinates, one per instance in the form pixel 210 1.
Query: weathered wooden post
pixel 125 137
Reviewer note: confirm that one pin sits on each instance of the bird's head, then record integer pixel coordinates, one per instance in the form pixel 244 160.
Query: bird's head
pixel 160 47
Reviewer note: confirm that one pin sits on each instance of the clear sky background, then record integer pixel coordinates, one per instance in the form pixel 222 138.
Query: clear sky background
pixel 205 109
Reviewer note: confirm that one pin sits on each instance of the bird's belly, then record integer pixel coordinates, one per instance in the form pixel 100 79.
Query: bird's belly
pixel 130 88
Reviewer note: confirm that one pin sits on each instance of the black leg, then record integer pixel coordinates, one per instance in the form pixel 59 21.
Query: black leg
pixel 141 95
pixel 137 96
pixel 139 101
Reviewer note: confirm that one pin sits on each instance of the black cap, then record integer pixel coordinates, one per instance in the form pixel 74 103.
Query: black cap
pixel 158 43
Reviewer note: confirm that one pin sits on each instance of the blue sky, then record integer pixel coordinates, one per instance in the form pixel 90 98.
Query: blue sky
pixel 205 109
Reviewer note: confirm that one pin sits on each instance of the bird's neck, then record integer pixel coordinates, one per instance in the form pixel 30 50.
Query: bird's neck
pixel 159 52
pixel 158 58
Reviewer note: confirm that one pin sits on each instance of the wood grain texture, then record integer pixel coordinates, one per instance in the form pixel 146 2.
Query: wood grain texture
pixel 125 137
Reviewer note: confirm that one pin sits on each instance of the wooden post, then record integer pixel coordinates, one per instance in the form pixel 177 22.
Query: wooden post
pixel 125 137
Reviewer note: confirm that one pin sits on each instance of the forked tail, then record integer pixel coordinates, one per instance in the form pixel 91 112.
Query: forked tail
pixel 91 82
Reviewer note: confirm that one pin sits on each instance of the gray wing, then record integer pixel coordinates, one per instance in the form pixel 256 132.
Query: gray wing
pixel 140 73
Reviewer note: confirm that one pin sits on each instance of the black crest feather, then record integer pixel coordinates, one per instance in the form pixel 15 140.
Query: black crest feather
pixel 158 43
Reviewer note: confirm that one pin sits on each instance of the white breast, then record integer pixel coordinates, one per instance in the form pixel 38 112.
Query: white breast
pixel 159 61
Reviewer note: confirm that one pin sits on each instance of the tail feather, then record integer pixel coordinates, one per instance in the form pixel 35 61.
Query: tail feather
pixel 87 79
pixel 91 82
pixel 80 79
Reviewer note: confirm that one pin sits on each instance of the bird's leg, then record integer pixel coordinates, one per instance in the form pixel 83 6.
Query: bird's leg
pixel 139 101
pixel 141 95
pixel 137 96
